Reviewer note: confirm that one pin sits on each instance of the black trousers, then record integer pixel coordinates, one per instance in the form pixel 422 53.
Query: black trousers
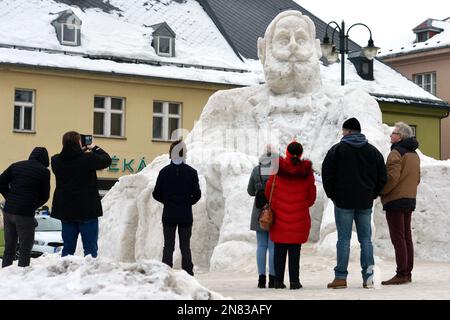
pixel 281 250
pixel 184 237
pixel 18 229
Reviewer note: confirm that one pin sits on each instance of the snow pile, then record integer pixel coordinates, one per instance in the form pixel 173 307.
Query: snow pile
pixel 52 278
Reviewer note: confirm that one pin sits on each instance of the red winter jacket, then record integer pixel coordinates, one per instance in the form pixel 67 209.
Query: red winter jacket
pixel 293 194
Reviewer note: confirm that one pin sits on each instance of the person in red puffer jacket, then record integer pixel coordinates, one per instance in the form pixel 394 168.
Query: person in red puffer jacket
pixel 293 194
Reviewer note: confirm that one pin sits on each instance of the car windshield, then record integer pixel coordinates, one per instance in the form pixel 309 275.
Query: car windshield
pixel 48 224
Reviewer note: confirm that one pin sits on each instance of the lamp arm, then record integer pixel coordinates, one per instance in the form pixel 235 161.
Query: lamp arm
pixel 360 24
pixel 336 26
pixel 334 31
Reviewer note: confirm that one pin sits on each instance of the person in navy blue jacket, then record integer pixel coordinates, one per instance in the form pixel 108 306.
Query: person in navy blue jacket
pixel 178 189
pixel 25 185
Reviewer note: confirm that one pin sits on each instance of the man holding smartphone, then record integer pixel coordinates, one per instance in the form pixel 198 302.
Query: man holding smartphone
pixel 76 201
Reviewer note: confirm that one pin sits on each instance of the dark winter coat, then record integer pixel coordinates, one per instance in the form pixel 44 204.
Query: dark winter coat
pixel 76 196
pixel 403 167
pixel 293 194
pixel 178 189
pixel 25 185
pixel 353 173
pixel 256 183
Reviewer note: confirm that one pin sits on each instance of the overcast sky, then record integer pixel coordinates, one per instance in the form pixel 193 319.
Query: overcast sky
pixel 391 21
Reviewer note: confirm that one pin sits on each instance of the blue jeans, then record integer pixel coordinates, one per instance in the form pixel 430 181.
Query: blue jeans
pixel 89 236
pixel 344 223
pixel 263 243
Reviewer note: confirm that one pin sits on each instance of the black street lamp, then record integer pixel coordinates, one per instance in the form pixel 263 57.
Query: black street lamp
pixel 329 49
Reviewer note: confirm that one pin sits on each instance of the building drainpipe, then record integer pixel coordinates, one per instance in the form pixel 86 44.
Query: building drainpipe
pixel 440 135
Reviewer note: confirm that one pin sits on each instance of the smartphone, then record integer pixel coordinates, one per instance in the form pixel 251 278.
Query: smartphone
pixel 86 140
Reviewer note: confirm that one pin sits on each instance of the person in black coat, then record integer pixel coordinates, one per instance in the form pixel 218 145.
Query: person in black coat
pixel 76 201
pixel 25 185
pixel 178 189
pixel 353 175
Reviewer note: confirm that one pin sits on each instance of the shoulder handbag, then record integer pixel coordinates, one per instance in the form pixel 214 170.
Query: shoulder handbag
pixel 266 216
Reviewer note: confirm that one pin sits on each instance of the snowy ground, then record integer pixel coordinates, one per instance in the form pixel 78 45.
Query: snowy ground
pixel 431 280
pixel 77 278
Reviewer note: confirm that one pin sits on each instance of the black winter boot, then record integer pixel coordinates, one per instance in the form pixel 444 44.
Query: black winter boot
pixel 271 281
pixel 262 281
pixel 279 285
pixel 296 285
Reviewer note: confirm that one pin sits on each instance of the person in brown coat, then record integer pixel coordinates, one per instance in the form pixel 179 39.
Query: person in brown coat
pixel 399 198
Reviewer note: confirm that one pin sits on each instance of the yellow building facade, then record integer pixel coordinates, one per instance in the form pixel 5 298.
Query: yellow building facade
pixel 66 100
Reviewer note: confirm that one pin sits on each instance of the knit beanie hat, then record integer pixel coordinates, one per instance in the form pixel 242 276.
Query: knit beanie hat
pixel 352 124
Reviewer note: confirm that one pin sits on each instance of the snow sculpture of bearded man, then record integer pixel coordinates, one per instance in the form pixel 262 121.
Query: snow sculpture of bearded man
pixel 224 146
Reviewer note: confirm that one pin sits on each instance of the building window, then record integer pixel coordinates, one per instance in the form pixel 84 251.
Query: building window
pixel 164 47
pixel 422 36
pixel 69 34
pixel 427 81
pixel 109 116
pixel 24 110
pixel 166 119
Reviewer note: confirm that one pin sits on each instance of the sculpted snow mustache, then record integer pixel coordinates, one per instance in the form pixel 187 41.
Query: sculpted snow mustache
pixel 294 53
pixel 285 77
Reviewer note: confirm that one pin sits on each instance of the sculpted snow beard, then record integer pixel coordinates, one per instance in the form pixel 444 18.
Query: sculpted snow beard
pixel 286 77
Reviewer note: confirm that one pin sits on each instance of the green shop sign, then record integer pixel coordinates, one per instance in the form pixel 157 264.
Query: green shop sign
pixel 126 165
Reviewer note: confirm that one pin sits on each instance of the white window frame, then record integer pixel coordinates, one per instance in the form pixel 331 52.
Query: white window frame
pixel 69 26
pixel 22 106
pixel 422 84
pixel 170 47
pixel 107 111
pixel 166 116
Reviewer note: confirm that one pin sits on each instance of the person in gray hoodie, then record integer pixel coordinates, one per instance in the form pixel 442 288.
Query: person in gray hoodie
pixel 268 162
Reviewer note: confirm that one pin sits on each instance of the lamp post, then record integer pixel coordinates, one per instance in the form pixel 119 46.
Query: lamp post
pixel 329 49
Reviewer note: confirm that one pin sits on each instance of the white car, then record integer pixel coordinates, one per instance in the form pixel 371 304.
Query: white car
pixel 47 236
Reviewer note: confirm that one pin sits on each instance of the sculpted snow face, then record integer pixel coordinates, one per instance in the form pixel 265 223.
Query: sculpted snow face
pixel 290 54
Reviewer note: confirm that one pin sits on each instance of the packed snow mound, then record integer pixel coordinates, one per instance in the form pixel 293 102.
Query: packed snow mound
pixel 52 278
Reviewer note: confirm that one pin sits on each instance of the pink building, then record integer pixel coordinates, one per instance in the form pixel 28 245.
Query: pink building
pixel 426 61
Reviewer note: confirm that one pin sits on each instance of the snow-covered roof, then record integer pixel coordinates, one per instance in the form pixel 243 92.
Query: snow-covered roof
pixel 71 62
pixel 116 38
pixel 388 83
pixel 125 33
pixel 439 41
